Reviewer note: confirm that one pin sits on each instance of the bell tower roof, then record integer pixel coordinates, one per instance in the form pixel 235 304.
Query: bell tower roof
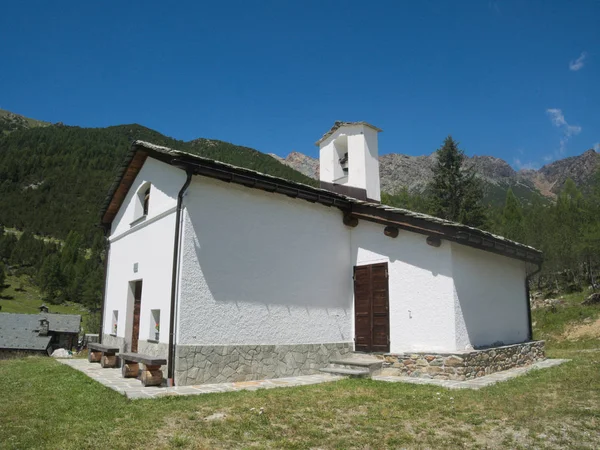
pixel 339 124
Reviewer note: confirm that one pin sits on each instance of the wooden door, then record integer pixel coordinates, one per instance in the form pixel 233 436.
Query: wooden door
pixel 137 303
pixel 371 308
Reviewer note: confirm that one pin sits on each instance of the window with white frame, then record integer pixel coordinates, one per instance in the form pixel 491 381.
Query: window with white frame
pixel 142 202
pixel 115 322
pixel 155 324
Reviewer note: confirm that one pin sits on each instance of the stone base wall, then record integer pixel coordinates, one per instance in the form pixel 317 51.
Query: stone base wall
pixel 227 363
pixel 463 365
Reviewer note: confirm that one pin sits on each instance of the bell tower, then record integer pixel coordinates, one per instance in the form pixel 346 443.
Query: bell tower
pixel 349 160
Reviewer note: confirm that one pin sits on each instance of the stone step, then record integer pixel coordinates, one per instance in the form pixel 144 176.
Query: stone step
pixel 372 366
pixel 359 373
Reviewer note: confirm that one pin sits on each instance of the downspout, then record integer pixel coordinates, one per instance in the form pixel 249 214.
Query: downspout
pixel 171 356
pixel 527 299
pixel 106 229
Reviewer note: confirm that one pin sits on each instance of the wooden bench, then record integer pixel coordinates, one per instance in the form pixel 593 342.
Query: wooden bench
pixel 104 354
pixel 151 374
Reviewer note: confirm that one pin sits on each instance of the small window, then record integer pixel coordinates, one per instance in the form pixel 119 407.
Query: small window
pixel 142 204
pixel 146 200
pixel 154 324
pixel 115 322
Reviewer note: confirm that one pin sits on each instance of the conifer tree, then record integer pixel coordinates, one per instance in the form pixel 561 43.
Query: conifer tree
pixel 512 218
pixel 2 277
pixel 455 194
pixel 51 281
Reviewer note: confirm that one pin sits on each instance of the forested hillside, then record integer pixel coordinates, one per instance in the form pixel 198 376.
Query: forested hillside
pixel 567 231
pixel 53 179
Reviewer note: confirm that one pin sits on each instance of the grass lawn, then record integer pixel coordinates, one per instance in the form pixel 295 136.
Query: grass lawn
pixel 29 299
pixel 48 405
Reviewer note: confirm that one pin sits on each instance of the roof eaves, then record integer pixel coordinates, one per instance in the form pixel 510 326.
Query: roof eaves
pixel 338 124
pixel 251 178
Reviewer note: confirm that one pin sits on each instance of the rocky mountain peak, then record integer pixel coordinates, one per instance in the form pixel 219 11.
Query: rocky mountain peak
pixel 400 171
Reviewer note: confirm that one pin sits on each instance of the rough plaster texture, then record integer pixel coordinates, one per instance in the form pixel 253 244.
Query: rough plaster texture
pixel 149 244
pixel 490 298
pixel 223 363
pixel 363 159
pixel 260 268
pixel 463 365
pixel 420 286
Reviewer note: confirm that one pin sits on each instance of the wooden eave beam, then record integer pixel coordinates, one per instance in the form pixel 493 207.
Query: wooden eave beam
pixel 462 237
pixel 127 179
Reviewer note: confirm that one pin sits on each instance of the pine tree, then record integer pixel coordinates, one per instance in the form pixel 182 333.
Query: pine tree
pixel 455 193
pixel 2 277
pixel 8 243
pixel 51 281
pixel 512 218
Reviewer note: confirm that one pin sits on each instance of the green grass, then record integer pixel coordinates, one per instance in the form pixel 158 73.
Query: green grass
pixel 53 406
pixel 50 405
pixel 550 324
pixel 28 300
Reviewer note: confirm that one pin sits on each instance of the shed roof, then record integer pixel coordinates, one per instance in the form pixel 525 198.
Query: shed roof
pixel 21 331
pixel 339 124
pixel 371 211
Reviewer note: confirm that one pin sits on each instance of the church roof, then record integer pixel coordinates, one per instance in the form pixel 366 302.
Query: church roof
pixel 339 124
pixel 350 206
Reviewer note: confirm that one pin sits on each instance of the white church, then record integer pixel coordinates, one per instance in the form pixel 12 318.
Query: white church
pixel 234 275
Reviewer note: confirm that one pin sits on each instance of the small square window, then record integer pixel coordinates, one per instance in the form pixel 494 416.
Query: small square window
pixel 155 324
pixel 115 323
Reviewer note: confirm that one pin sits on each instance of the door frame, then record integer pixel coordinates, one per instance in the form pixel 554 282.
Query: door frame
pixel 370 349
pixel 129 316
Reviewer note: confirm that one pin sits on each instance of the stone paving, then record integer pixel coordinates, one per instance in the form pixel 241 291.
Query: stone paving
pixel 475 383
pixel 133 389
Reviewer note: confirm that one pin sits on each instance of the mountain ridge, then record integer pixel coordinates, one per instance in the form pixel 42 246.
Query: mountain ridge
pixel 399 171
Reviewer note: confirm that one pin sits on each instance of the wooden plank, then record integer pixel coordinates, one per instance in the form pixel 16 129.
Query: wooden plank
pixel 371 308
pixel 362 308
pixel 144 359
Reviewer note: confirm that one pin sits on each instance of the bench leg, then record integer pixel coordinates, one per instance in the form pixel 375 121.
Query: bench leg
pixel 108 361
pixel 151 375
pixel 94 356
pixel 130 369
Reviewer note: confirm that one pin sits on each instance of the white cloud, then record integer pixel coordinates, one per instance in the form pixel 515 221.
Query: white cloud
pixel 597 147
pixel 558 120
pixel 578 64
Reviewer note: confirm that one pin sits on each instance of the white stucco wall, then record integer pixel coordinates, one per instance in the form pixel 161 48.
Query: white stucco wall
pixel 261 268
pixel 420 286
pixel 148 243
pixel 489 295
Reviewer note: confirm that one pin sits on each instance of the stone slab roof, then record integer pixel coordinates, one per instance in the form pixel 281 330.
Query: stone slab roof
pixel 21 331
pixel 339 124
pixel 376 212
pixel 62 323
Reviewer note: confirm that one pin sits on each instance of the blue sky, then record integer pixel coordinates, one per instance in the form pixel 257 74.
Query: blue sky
pixel 513 79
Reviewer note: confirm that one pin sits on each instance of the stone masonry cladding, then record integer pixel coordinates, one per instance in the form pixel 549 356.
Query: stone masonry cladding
pixel 226 363
pixel 463 365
